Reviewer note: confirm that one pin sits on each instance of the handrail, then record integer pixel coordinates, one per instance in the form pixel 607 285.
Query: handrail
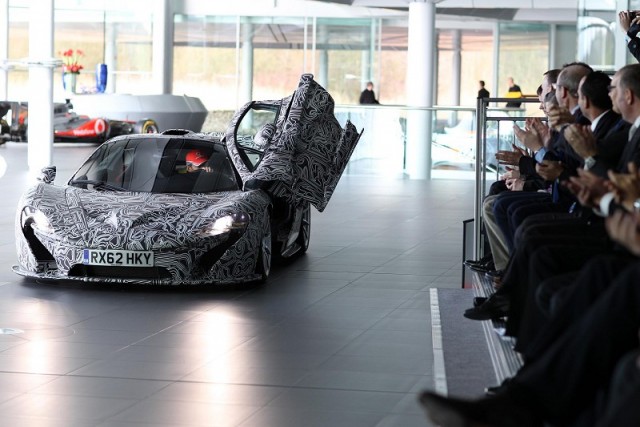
pixel 481 143
pixel 404 107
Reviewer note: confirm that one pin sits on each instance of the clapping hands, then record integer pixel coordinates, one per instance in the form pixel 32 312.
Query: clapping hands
pixel 511 158
pixel 533 134
pixel 581 139
pixel 623 227
pixel 587 187
pixel 625 186
pixel 559 116
pixel 549 169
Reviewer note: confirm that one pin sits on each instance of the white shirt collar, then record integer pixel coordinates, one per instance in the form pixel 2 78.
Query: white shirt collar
pixel 634 127
pixel 574 109
pixel 595 121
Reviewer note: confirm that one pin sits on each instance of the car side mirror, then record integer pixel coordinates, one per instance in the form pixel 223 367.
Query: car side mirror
pixel 47 174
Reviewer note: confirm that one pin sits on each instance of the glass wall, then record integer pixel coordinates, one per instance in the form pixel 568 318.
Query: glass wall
pixel 477 57
pixel 351 56
pixel 391 83
pixel 597 23
pixel 476 52
pixel 278 55
pixel 18 49
pixel 128 39
pixel 83 31
pixel 598 27
pixel 123 40
pixel 524 55
pixel 228 60
pixel 205 59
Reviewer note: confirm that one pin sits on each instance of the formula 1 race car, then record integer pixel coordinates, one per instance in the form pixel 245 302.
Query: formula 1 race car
pixel 69 126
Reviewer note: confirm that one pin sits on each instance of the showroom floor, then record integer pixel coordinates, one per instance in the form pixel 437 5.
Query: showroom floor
pixel 340 337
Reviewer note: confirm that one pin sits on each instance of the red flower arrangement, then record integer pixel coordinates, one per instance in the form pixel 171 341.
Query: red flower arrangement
pixel 70 59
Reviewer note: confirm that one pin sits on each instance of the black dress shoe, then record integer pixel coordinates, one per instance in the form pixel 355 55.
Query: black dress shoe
pixel 485 259
pixel 483 268
pixel 495 307
pixel 497 389
pixel 498 411
pixel 478 301
pixel 494 273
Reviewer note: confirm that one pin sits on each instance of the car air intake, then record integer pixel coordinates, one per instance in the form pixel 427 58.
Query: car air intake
pixel 178 132
pixel 108 272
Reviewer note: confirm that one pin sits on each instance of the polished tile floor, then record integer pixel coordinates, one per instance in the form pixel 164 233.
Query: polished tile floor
pixel 340 337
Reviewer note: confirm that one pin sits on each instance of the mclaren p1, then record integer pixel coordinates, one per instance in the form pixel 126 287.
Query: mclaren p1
pixel 190 208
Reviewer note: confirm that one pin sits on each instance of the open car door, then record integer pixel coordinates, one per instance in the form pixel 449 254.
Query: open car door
pixel 293 148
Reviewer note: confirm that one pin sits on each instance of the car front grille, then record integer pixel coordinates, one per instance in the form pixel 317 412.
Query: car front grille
pixel 81 270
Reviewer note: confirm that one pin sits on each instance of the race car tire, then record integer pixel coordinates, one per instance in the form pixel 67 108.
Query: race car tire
pixel 263 264
pixel 145 126
pixel 305 230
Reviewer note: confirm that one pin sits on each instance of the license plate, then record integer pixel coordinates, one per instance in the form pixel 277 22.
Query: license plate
pixel 117 258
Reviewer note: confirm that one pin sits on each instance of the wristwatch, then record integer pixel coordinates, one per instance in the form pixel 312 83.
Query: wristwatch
pixel 589 162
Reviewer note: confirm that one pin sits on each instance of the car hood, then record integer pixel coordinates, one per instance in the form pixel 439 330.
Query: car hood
pixel 135 221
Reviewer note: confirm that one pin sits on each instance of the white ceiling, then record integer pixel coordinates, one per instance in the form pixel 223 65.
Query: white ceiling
pixel 488 4
pixel 550 11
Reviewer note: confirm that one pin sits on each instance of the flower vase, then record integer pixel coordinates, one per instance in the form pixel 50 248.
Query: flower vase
pixel 69 82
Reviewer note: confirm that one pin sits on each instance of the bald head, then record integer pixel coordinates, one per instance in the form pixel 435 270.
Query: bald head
pixel 629 78
pixel 568 82
pixel 625 92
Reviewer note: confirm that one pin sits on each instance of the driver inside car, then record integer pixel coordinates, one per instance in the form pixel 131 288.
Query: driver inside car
pixel 195 159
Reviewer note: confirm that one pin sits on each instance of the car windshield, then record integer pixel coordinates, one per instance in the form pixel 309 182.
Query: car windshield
pixel 158 165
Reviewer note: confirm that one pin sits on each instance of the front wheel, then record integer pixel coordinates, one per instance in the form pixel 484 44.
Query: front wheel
pixel 304 236
pixel 263 265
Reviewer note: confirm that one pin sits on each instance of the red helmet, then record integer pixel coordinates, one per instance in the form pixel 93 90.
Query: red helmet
pixel 196 157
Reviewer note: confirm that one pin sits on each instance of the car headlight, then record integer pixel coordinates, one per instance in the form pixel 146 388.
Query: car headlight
pixel 227 223
pixel 40 220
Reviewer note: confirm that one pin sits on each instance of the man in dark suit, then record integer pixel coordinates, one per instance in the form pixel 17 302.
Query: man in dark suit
pixel 625 95
pixel 601 145
pixel 594 193
pixel 525 172
pixel 549 245
pixel 482 92
pixel 580 239
pixel 549 166
pixel 368 96
pixel 566 384
pixel 605 141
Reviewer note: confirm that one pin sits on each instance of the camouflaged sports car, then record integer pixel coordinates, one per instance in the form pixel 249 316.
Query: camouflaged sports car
pixel 187 208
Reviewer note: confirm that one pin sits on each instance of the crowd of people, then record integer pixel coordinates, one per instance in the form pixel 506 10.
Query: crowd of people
pixel 563 229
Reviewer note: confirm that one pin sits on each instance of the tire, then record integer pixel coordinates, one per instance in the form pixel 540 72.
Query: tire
pixel 263 264
pixel 304 236
pixel 145 126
